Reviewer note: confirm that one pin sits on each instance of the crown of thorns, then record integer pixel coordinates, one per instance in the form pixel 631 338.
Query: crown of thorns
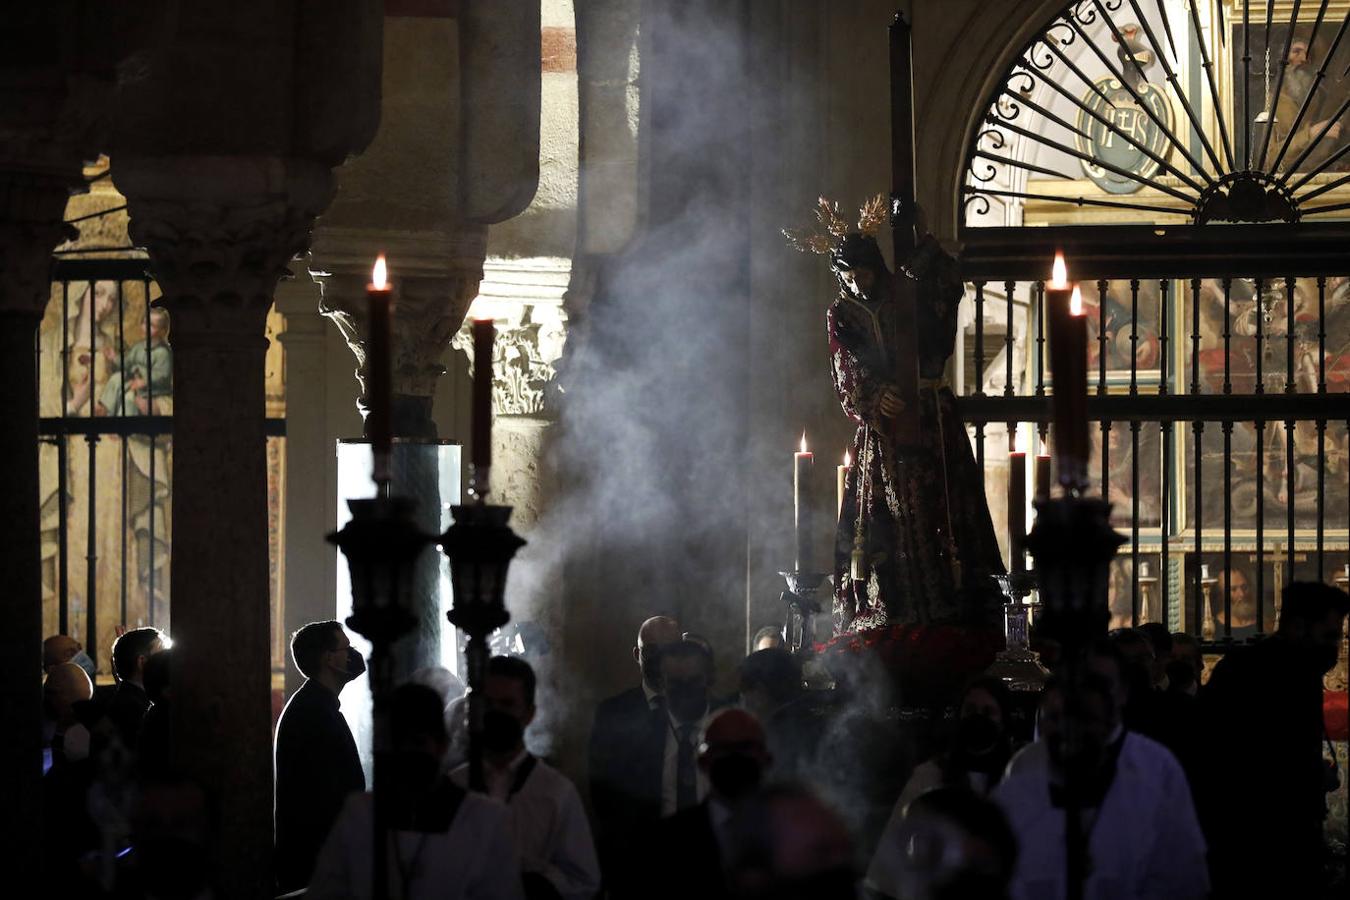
pixel 831 227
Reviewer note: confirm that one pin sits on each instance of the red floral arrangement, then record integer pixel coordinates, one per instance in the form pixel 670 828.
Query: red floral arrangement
pixel 928 663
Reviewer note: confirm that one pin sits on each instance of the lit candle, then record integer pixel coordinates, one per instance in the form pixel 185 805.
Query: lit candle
pixel 1068 364
pixel 1042 474
pixel 378 384
pixel 483 335
pixel 1017 509
pixel 841 476
pixel 802 463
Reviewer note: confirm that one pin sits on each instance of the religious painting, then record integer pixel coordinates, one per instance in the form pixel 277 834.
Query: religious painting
pixel 105 353
pixel 1126 314
pixel 104 496
pixel 1120 466
pixel 1284 104
pixel 1244 343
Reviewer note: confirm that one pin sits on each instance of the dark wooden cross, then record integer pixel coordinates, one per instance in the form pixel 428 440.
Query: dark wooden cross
pixel 904 221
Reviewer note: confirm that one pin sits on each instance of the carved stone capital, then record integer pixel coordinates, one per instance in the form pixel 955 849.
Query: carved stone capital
pixel 524 358
pixel 220 232
pixel 435 277
pixel 427 312
pixel 524 298
pixel 32 212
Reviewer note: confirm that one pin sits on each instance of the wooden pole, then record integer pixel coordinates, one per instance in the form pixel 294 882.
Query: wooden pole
pixel 904 218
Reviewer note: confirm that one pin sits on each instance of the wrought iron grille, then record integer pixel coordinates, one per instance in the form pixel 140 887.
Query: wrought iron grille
pixel 1220 399
pixel 104 360
pixel 1202 111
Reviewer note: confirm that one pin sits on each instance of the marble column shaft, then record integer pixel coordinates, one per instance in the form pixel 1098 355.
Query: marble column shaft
pixel 31 211
pixel 310 559
pixel 220 232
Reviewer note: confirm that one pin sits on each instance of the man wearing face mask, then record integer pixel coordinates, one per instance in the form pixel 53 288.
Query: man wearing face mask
pixel 317 764
pixel 1141 833
pixel 974 764
pixel 691 848
pixel 557 854
pixel 627 751
pixel 61 648
pixel 1265 783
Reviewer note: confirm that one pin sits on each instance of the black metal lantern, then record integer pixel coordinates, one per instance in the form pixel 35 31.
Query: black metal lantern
pixel 480 545
pixel 381 543
pixel 1073 545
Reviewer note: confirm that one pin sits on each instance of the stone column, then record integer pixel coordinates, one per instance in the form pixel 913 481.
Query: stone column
pixel 310 559
pixel 434 281
pixel 220 232
pixel 31 211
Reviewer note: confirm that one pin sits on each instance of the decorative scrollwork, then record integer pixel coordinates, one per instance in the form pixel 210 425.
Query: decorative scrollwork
pixel 1084 13
pixel 997 141
pixel 981 202
pixel 1028 83
pixel 1246 197
pixel 1007 107
pixel 990 173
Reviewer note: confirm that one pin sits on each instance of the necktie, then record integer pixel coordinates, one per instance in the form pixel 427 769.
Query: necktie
pixel 686 771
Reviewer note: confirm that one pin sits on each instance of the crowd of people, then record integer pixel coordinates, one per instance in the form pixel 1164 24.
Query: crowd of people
pixel 1136 773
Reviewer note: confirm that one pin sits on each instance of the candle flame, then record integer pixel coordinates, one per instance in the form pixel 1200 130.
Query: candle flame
pixel 1076 302
pixel 848 460
pixel 1059 273
pixel 379 275
pixel 803 440
pixel 1019 441
pixel 1044 451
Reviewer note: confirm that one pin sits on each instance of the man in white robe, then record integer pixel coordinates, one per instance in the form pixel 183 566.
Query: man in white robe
pixel 1143 838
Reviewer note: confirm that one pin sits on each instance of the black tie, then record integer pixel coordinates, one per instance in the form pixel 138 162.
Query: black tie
pixel 686 771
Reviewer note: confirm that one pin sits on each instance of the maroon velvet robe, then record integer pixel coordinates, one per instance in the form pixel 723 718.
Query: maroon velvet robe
pixel 930 549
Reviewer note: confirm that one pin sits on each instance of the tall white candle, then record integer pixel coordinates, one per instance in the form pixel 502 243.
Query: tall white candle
pixel 803 461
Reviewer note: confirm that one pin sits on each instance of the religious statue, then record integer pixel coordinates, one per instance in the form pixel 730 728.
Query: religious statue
pixel 915 544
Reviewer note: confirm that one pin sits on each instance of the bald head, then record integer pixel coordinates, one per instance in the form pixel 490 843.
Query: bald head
pixel 655 633
pixel 66 685
pixel 59 648
pixel 658 630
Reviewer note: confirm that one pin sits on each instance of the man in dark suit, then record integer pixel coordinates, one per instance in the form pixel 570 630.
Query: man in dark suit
pixel 627 752
pixel 688 851
pixel 1264 784
pixel 317 765
pixel 126 702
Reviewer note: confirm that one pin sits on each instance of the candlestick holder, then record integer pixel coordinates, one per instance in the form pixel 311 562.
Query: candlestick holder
pixel 1017 665
pixel 801 609
pixel 480 545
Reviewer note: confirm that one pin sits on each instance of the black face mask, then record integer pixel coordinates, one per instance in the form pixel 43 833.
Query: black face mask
pixel 502 732
pixel 356 664
pixel 687 701
pixel 1325 657
pixel 412 771
pixel 977 735
pixel 735 776
pixel 651 666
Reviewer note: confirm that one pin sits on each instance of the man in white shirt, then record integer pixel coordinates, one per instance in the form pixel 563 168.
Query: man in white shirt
pixel 557 854
pixel 1143 839
pixel 444 842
